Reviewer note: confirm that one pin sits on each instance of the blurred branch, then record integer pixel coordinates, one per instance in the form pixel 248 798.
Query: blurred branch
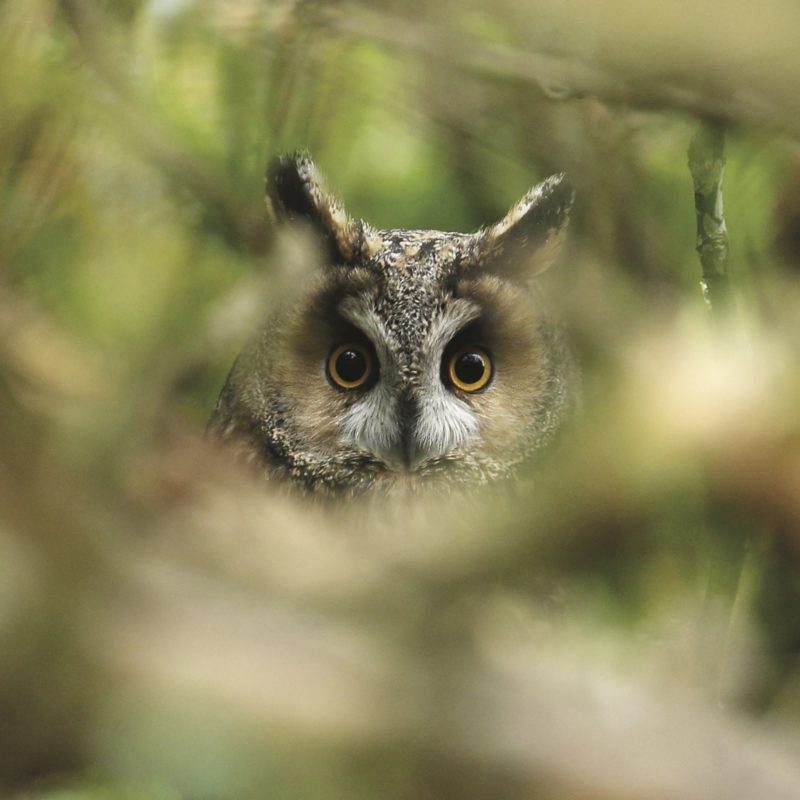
pixel 557 78
pixel 707 165
pixel 508 711
pixel 240 223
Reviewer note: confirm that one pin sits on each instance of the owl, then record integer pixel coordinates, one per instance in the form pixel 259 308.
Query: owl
pixel 411 358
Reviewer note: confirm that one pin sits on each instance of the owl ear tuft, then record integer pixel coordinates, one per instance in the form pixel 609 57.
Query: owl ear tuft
pixel 296 191
pixel 529 237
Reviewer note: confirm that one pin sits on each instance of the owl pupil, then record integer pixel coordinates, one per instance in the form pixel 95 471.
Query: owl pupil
pixel 469 368
pixel 351 365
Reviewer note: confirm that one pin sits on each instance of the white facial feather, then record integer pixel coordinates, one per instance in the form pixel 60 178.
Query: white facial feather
pixel 446 423
pixel 372 423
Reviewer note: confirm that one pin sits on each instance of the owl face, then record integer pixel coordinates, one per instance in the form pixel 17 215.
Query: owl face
pixel 413 358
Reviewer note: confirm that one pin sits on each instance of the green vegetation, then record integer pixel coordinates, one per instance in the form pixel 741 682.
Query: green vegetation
pixel 628 625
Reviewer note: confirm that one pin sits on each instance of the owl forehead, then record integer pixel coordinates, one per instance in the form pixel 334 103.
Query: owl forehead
pixel 416 271
pixel 398 248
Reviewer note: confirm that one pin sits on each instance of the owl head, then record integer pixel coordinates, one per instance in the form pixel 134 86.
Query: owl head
pixel 411 358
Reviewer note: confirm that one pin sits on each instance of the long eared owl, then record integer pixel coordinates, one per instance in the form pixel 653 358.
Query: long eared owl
pixel 411 358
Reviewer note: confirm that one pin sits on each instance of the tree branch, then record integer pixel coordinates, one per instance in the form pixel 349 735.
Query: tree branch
pixel 707 165
pixel 559 78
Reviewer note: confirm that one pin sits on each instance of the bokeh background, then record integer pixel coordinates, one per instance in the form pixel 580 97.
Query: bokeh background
pixel 624 624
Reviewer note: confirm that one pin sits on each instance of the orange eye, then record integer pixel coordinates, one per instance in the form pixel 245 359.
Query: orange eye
pixel 349 366
pixel 469 369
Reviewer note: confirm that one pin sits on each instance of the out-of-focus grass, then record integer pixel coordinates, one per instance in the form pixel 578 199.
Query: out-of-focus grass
pixel 622 624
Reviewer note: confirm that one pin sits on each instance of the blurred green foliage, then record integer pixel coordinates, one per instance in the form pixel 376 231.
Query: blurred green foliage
pixel 626 625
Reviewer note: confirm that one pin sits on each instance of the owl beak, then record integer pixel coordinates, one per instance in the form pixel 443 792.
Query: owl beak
pixel 405 455
pixel 397 458
pixel 408 419
pixel 412 455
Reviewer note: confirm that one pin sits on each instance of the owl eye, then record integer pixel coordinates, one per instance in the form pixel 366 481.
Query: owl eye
pixel 349 366
pixel 469 369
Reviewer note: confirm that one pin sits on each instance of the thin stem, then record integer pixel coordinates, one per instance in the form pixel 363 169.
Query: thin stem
pixel 707 165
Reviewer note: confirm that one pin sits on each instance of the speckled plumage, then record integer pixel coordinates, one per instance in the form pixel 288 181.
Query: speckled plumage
pixel 410 296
